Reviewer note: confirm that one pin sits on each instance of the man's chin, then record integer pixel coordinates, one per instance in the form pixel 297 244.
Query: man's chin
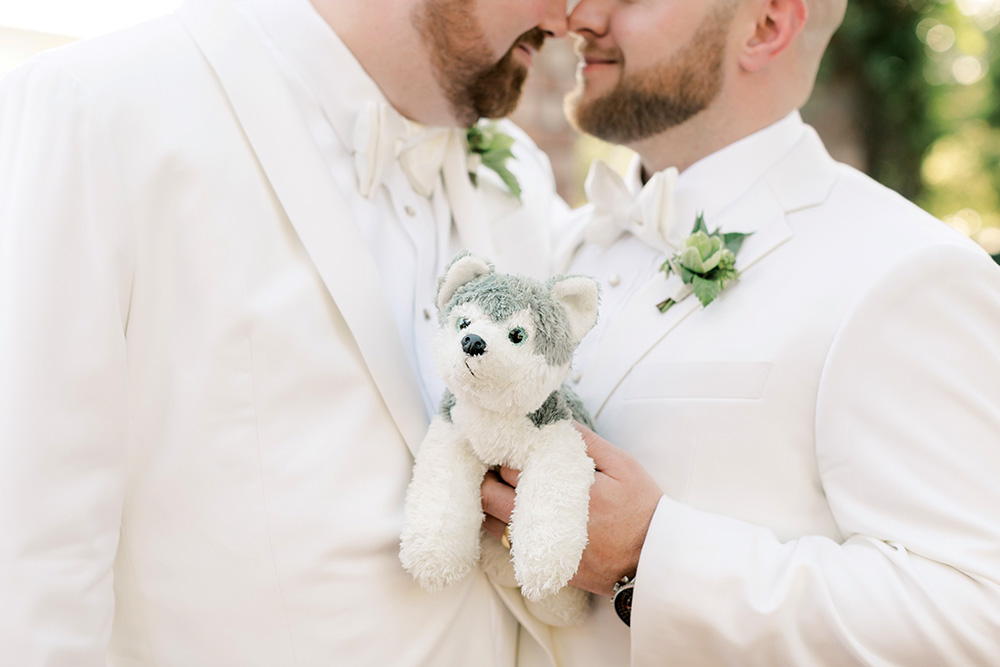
pixel 497 92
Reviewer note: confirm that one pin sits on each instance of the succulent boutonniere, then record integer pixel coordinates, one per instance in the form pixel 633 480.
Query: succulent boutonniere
pixel 706 263
pixel 492 147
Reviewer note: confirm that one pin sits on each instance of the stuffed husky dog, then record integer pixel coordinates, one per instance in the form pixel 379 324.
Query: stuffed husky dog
pixel 504 347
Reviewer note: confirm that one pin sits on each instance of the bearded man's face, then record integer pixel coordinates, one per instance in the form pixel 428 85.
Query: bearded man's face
pixel 654 97
pixel 475 82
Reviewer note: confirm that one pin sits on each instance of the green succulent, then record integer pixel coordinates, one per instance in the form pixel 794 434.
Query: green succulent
pixel 706 261
pixel 494 149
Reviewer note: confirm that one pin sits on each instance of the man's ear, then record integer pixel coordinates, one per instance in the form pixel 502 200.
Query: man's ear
pixel 778 24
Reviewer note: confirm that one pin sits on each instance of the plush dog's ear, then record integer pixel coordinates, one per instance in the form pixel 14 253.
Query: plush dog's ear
pixel 463 269
pixel 579 295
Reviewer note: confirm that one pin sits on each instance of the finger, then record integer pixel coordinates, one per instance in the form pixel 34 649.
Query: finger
pixel 494 526
pixel 510 475
pixel 498 498
pixel 600 450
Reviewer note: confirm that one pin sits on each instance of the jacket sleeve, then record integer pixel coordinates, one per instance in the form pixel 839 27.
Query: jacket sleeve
pixel 908 446
pixel 65 274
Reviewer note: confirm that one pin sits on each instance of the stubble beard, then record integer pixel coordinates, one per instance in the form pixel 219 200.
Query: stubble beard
pixel 660 97
pixel 474 85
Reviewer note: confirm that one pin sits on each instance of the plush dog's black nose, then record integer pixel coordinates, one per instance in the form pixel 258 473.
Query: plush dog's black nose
pixel 473 345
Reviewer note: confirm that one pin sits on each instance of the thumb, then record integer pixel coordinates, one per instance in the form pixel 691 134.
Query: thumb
pixel 600 450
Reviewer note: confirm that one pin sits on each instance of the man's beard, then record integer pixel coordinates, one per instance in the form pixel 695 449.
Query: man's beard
pixel 475 86
pixel 658 97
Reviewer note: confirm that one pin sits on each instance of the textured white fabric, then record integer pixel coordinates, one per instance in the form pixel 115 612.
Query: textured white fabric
pixel 649 214
pixel 825 431
pixel 209 386
pixel 381 135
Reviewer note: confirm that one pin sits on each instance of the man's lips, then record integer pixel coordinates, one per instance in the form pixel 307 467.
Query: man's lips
pixel 592 58
pixel 526 51
pixel 597 60
pixel 590 64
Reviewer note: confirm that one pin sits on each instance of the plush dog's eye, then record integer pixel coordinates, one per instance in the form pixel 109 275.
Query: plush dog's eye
pixel 517 335
pixel 463 323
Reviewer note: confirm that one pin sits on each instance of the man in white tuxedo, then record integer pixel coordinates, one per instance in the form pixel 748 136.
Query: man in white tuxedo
pixel 809 463
pixel 220 234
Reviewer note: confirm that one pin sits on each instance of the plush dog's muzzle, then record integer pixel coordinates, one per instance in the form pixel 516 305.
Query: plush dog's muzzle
pixel 473 345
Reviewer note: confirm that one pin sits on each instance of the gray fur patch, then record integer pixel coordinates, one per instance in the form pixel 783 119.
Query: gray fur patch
pixel 575 404
pixel 554 409
pixel 447 403
pixel 502 295
pixel 562 404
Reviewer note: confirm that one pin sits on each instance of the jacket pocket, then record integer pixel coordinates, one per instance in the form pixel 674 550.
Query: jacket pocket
pixel 733 380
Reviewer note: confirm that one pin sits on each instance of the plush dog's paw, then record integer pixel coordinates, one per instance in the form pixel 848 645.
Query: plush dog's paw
pixel 546 556
pixel 433 563
pixel 541 577
pixel 570 606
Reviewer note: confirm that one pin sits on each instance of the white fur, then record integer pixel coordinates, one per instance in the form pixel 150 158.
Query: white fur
pixel 496 393
pixel 460 272
pixel 510 379
pixel 579 296
pixel 440 540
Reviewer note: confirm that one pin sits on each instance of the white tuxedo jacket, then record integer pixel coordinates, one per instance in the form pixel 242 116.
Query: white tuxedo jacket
pixel 191 330
pixel 827 435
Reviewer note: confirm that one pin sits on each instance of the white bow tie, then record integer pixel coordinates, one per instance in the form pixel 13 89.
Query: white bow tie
pixel 650 215
pixel 382 135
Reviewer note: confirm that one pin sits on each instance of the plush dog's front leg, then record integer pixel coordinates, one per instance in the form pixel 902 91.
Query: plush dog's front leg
pixel 549 524
pixel 443 513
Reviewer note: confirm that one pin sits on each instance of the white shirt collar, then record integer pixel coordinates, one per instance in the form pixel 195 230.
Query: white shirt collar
pixel 315 54
pixel 710 185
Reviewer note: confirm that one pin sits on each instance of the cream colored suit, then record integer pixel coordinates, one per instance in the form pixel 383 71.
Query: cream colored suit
pixel 827 433
pixel 206 414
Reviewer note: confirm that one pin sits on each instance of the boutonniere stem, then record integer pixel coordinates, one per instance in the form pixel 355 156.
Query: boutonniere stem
pixel 493 148
pixel 706 262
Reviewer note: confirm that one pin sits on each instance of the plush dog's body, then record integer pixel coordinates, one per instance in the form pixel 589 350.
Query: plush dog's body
pixel 500 439
pixel 504 349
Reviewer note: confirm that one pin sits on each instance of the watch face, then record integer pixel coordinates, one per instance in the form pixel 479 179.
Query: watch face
pixel 623 605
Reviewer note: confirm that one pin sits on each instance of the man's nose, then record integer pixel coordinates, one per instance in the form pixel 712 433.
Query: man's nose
pixel 555 23
pixel 589 16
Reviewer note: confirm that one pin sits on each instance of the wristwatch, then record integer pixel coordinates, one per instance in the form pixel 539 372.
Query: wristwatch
pixel 621 597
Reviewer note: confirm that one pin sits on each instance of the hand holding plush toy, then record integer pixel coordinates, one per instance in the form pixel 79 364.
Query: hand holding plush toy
pixel 503 349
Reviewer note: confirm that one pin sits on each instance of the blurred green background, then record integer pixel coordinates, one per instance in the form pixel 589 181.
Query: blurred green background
pixel 923 78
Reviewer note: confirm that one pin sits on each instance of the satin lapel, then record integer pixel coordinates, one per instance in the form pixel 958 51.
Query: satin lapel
pixel 311 199
pixel 641 326
pixel 466 208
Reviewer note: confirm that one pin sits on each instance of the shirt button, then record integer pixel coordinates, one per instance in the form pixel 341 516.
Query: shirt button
pixel 614 280
pixel 427 314
pixel 577 376
pixel 410 211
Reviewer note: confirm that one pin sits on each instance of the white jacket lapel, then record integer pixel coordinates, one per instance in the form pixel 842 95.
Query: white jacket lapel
pixel 638 328
pixel 310 198
pixel 800 180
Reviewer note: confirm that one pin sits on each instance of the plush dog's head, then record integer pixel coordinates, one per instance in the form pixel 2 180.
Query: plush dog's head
pixel 506 341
